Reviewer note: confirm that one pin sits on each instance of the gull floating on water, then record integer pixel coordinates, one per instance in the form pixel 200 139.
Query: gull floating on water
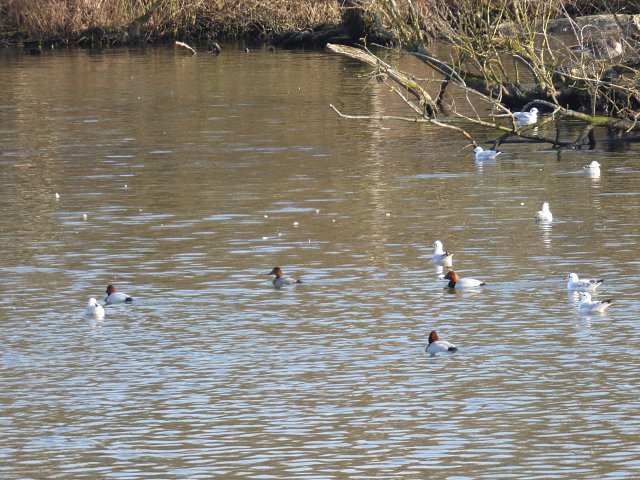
pixel 281 280
pixel 456 282
pixel 587 305
pixel 441 256
pixel 94 308
pixel 482 154
pixel 545 214
pixel 114 297
pixel 575 284
pixel 526 118
pixel 439 346
pixel 593 169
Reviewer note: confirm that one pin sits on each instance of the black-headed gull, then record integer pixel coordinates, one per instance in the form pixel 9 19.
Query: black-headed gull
pixel 439 346
pixel 545 214
pixel 114 297
pixel 456 282
pixel 441 256
pixel 482 154
pixel 281 280
pixel 576 284
pixel 526 118
pixel 94 308
pixel 593 169
pixel 587 305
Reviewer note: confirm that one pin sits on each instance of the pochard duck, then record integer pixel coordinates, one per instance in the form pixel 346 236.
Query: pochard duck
pixel 586 305
pixel 281 280
pixel 439 346
pixel 456 282
pixel 114 297
pixel 545 214
pixel 575 284
pixel 440 255
pixel 482 154
pixel 526 118
pixel 94 308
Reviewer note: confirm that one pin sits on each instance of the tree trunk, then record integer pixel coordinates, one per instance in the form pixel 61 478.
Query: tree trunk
pixel 133 31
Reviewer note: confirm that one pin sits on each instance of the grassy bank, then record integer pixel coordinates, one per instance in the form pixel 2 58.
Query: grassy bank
pixel 117 22
pixel 110 21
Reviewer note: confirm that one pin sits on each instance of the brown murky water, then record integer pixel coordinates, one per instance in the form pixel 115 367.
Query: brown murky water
pixel 197 175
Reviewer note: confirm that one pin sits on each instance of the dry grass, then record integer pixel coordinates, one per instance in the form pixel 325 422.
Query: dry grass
pixel 193 19
pixel 174 19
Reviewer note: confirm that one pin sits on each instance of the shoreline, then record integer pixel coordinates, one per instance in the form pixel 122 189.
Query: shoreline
pixel 288 24
pixel 53 24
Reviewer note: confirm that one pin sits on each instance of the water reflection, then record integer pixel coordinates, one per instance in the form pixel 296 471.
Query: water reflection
pixel 545 233
pixel 481 164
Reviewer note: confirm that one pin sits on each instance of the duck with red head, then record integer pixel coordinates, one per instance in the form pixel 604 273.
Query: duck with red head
pixel 114 297
pixel 281 280
pixel 439 346
pixel 456 282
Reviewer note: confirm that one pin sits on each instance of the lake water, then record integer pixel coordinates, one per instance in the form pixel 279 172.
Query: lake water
pixel 197 175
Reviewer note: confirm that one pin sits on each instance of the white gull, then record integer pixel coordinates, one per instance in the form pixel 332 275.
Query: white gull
pixel 575 284
pixel 587 305
pixel 482 154
pixel 526 118
pixel 94 308
pixel 440 255
pixel 545 214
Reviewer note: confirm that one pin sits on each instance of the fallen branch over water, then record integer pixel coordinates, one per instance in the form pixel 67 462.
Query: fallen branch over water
pixel 184 45
pixel 427 111
pixel 425 101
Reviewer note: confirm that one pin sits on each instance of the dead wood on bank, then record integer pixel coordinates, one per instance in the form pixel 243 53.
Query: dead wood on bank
pixel 134 28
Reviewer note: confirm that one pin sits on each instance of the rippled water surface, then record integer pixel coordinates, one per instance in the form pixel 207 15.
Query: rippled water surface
pixel 197 175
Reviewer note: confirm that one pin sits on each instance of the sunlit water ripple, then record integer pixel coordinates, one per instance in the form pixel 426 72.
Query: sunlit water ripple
pixel 213 373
